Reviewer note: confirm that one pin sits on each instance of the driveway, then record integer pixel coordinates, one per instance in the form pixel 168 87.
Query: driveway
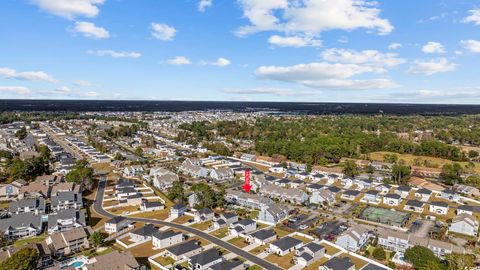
pixel 248 256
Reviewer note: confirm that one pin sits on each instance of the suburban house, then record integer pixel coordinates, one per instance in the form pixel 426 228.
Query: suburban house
pixel 222 173
pixel 164 239
pixel 65 220
pixel 392 199
pixel 363 183
pixel 450 195
pixel 403 191
pixel 21 225
pixel 277 169
pixel 317 177
pixel 350 194
pixel 309 253
pixel 423 194
pixel 113 260
pixel 336 263
pixel 116 224
pixel 383 188
pixel 246 199
pixel 415 206
pixel 230 265
pixel 178 210
pixel 28 205
pixel 133 170
pixel 273 213
pixel 464 224
pixel 439 208
pixel 346 182
pixel 324 196
pixel 144 233
pixel 314 187
pixel 262 237
pixel 184 250
pixel 147 206
pixel 224 220
pixel 66 200
pixel 189 168
pixel 65 243
pixel 205 259
pixel 354 238
pixel 242 227
pixel 165 181
pixel 372 196
pixel 204 214
pixel 43 251
pixel 468 209
pixel 295 196
pixel 285 245
pixel 34 189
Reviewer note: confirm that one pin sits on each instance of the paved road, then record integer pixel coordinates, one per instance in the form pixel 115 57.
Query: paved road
pixel 248 256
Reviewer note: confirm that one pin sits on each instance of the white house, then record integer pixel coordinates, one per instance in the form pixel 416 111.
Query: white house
pixel 415 206
pixel 423 194
pixel 285 245
pixel 309 253
pixel 204 214
pixel 354 238
pixel 262 237
pixel 392 199
pixel 464 224
pixel 403 191
pixel 242 227
pixel 164 239
pixel 116 224
pixel 439 208
pixel 178 210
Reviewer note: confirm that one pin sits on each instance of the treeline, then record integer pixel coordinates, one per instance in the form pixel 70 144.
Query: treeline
pixel 28 169
pixel 326 139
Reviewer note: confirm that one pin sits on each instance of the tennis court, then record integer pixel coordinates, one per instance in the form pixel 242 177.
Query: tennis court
pixel 385 216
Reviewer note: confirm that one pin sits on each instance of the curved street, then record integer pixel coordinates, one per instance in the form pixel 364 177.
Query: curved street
pixel 97 206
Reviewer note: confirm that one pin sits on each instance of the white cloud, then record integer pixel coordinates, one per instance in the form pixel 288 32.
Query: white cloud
pixel 27 75
pixel 91 94
pixel 431 67
pixel 90 30
pixel 115 54
pixel 163 32
pixel 471 45
pixel 394 46
pixel 474 17
pixel 179 60
pixel 343 39
pixel 367 57
pixel 63 90
pixel 82 83
pixel 311 17
pixel 262 91
pixel 294 41
pixel 70 9
pixel 220 62
pixel 433 47
pixel 325 75
pixel 203 4
pixel 21 90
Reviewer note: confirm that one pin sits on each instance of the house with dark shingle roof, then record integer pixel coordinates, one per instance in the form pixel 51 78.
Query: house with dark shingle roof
pixel 116 224
pixel 439 208
pixel 21 225
pixel 336 263
pixel 242 227
pixel 65 220
pixel 392 199
pixel 143 233
pixel 309 253
pixel 163 239
pixel 184 250
pixel 228 265
pixel 262 237
pixel 28 205
pixel 403 191
pixel 423 194
pixel 468 209
pixel 350 194
pixel 285 245
pixel 414 205
pixel 205 259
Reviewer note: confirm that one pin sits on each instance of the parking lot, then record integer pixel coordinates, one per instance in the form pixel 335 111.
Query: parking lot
pixel 329 230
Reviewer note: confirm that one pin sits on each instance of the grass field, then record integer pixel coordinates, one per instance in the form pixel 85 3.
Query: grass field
pixel 238 242
pixel 220 233
pixel 202 226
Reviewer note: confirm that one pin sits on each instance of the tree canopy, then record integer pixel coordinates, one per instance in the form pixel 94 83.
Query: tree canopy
pixel 24 259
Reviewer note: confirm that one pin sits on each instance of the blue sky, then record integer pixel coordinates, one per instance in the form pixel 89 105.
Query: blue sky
pixel 257 50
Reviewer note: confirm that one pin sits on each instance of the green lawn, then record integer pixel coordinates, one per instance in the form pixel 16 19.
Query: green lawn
pixel 22 242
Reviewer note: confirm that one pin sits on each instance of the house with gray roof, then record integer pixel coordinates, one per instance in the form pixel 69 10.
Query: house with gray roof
pixel 392 199
pixel 449 194
pixel 143 233
pixel 65 220
pixel 224 220
pixel 21 225
pixel 468 209
pixel 28 205
pixel 66 200
pixel 309 253
pixel 403 191
pixel 205 260
pixel 242 227
pixel 423 194
pixel 163 239
pixel 184 250
pixel 337 263
pixel 273 213
pixel 262 237
pixel 415 206
pixel 204 214
pixel 285 245
pixel 464 224
pixel 350 194
pixel 228 265
pixel 116 224
pixel 354 238
pixel 439 208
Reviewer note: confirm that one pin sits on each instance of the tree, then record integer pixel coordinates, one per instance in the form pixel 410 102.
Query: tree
pixel 401 173
pixel 370 169
pixel 473 154
pixel 379 254
pixel 451 173
pixel 390 158
pixel 81 174
pixel 21 133
pixel 176 192
pixel 24 259
pixel 421 257
pixel 460 261
pixel 473 180
pixel 350 168
pixel 97 239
